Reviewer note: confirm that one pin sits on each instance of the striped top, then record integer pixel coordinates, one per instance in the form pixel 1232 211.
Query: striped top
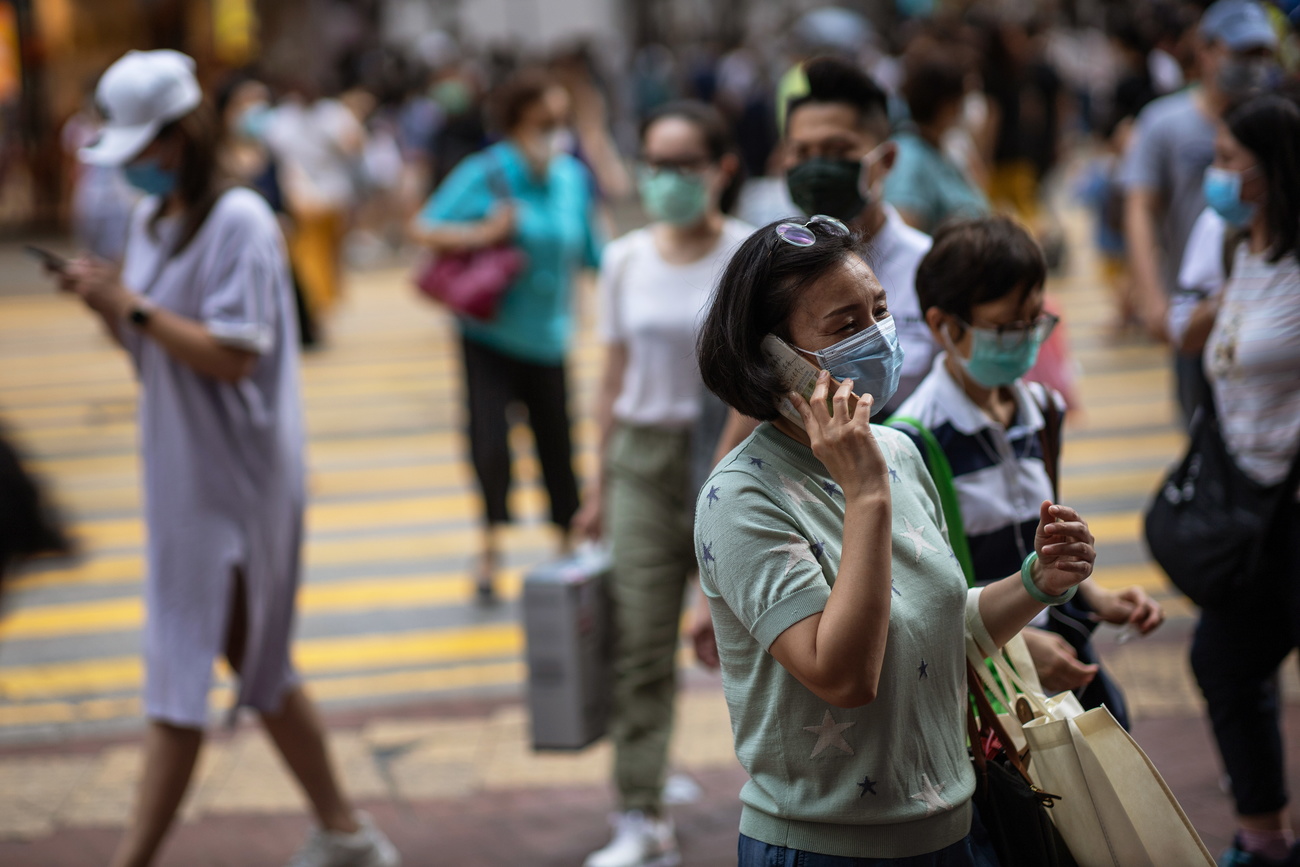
pixel 998 472
pixel 1253 362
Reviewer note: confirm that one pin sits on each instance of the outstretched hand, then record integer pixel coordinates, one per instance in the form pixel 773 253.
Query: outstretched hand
pixel 1065 549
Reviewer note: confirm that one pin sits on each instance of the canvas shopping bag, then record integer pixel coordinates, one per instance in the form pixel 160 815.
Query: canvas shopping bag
pixel 1115 809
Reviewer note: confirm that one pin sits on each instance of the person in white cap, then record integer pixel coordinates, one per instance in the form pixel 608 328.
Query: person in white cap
pixel 204 307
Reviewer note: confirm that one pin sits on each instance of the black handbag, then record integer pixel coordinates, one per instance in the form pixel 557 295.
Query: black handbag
pixel 1012 810
pixel 1207 523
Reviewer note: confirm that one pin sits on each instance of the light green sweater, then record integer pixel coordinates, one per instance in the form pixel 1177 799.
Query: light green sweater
pixel 887 780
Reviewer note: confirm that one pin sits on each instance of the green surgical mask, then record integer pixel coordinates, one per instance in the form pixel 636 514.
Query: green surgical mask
pixel 826 186
pixel 676 198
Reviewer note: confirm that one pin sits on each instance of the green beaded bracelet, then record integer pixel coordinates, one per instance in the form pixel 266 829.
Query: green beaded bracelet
pixel 1027 576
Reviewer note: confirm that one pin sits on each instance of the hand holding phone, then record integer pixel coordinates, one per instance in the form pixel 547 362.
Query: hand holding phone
pixel 53 262
pixel 799 375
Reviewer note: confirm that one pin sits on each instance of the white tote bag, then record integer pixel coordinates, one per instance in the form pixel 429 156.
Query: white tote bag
pixel 1115 809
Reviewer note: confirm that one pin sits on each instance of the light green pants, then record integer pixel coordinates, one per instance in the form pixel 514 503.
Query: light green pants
pixel 648 516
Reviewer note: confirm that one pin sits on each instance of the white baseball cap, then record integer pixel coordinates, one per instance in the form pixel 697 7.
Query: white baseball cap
pixel 139 95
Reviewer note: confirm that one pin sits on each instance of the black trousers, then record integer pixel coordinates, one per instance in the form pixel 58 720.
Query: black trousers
pixel 1236 654
pixel 495 381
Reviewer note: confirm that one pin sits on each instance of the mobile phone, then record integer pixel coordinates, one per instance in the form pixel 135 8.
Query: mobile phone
pixel 52 261
pixel 799 375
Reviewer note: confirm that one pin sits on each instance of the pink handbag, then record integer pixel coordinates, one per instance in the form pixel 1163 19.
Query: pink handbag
pixel 472 283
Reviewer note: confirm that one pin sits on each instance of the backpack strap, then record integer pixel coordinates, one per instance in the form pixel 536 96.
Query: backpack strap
pixel 1049 438
pixel 941 473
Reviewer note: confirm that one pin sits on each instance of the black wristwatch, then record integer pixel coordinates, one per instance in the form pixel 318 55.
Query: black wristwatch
pixel 140 315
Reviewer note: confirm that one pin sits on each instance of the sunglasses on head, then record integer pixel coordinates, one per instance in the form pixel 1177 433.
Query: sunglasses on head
pixel 802 235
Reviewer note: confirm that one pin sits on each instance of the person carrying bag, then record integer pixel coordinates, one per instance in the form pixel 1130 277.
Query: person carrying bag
pixel 1112 806
pixel 472 282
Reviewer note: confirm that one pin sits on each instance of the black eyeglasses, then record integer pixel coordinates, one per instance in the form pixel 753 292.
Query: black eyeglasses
pixel 801 235
pixel 1014 334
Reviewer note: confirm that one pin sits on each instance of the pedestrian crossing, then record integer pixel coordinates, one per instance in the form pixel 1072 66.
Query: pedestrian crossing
pixel 384 612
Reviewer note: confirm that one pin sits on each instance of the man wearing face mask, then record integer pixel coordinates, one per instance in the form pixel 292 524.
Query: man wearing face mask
pixel 837 156
pixel 1173 144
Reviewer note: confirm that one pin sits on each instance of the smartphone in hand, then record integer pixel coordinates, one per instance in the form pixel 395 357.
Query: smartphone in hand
pixel 52 261
pixel 799 375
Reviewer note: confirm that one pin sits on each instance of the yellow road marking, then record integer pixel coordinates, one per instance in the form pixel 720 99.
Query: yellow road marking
pixel 314 657
pixel 365 594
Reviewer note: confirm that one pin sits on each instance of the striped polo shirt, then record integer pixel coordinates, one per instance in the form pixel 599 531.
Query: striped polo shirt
pixel 998 472
pixel 1253 362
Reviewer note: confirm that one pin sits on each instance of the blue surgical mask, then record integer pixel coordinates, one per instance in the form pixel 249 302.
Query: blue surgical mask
pixel 255 121
pixel 1000 358
pixel 1223 193
pixel 872 358
pixel 151 178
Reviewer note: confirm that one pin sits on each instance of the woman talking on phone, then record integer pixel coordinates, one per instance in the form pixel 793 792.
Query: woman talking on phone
pixel 838 607
pixel 204 308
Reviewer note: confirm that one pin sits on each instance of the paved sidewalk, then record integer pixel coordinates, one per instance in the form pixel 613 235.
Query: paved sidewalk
pixel 456 784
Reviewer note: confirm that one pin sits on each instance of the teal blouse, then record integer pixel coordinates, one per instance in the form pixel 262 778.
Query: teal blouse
pixel 555 227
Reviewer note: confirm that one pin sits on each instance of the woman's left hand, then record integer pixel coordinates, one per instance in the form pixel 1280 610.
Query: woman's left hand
pixel 95 282
pixel 1131 607
pixel 1065 549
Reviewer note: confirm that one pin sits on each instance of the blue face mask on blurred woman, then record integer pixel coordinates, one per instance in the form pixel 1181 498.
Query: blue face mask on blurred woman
pixel 1222 190
pixel 255 121
pixel 149 177
pixel 872 358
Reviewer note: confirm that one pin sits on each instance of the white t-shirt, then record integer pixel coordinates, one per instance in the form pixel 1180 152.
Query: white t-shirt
pixel 655 309
pixel 894 254
pixel 1201 274
pixel 1253 362
pixel 314 142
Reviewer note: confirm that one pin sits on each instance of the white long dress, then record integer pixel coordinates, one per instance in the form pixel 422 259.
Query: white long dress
pixel 223 463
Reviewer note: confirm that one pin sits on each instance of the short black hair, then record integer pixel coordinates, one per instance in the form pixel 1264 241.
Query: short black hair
pixel 931 81
pixel 978 261
pixel 1269 127
pixel 754 298
pixel 833 80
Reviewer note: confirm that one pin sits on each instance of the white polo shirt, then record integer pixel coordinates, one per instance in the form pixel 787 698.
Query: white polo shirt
pixel 894 254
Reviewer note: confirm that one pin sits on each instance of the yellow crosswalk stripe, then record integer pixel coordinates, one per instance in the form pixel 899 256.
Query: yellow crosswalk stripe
pixel 313 657
pixel 361 595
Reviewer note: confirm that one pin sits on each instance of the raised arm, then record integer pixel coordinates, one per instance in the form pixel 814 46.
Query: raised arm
pixel 838 654
pixel 1064 546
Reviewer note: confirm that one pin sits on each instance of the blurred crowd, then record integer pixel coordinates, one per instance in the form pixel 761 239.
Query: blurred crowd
pixel 916 174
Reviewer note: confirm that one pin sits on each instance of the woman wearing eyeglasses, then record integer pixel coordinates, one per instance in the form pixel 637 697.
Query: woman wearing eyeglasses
pixel 981 287
pixel 838 607
pixel 654 284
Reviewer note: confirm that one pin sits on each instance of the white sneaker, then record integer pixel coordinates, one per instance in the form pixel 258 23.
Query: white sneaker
pixel 680 789
pixel 365 847
pixel 639 841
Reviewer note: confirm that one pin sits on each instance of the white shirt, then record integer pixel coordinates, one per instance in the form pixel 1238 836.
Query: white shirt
pixel 1253 362
pixel 312 141
pixel 894 254
pixel 1201 274
pixel 655 309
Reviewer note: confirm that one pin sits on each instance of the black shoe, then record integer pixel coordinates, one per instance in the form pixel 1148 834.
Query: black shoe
pixel 484 595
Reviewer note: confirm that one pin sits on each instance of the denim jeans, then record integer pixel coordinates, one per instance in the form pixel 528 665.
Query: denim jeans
pixel 964 853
